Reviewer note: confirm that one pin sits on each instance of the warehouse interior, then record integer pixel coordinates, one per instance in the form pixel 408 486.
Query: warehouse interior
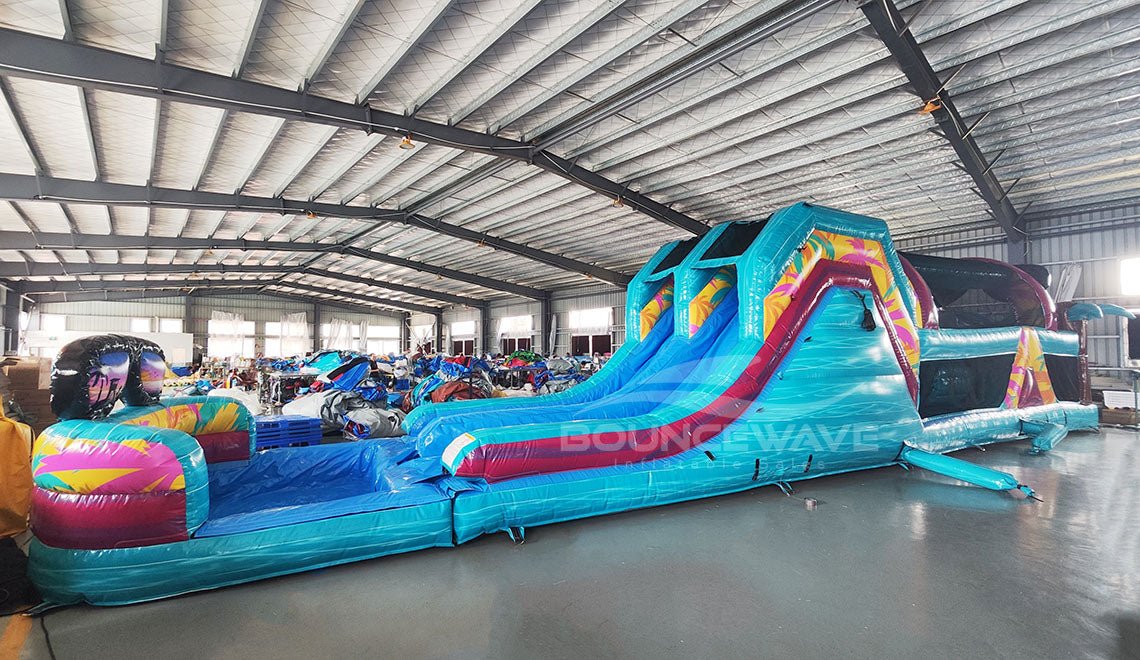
pixel 250 185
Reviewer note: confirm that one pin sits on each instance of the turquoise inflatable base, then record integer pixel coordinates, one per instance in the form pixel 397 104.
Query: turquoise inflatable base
pixel 123 576
pixel 132 575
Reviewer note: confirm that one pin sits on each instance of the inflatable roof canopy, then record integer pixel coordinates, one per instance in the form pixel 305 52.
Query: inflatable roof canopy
pixel 1023 289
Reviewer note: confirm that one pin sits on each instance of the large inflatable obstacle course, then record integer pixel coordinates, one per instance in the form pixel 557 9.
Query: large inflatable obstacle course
pixel 760 353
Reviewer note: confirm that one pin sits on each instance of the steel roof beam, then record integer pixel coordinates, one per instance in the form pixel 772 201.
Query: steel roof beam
pixel 75 286
pixel 31 288
pixel 21 187
pixel 34 269
pixel 392 286
pixel 326 302
pixel 398 304
pixel 448 273
pixel 43 58
pixel 111 296
pixel 890 26
pixel 17 240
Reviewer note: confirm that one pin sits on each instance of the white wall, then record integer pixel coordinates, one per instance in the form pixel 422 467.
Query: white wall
pixel 178 347
pixel 115 316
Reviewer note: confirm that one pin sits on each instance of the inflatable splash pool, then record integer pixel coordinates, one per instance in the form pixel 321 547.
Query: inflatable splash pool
pixel 761 353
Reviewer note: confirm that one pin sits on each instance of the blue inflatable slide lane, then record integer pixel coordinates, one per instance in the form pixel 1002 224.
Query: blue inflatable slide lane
pixel 760 353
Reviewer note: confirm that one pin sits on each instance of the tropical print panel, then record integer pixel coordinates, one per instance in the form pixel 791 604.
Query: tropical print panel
pixel 703 304
pixel 196 419
pixel 1029 382
pixel 81 465
pixel 846 249
pixel 662 300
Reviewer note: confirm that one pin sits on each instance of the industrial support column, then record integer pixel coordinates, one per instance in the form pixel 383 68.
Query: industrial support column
pixel 316 327
pixel 405 332
pixel 12 308
pixel 544 326
pixel 485 347
pixel 439 332
pixel 188 319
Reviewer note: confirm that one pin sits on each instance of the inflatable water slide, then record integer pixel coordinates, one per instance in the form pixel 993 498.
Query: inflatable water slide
pixel 762 353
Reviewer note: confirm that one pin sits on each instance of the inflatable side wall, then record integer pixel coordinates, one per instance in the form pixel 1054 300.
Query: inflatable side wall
pixel 136 477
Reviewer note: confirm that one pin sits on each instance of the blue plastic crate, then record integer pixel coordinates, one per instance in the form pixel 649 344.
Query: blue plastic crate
pixel 287 431
pixel 271 423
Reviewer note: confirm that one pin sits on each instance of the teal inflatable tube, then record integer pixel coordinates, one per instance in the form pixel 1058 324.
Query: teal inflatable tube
pixel 962 471
pixel 131 575
pixel 955 344
pixel 947 433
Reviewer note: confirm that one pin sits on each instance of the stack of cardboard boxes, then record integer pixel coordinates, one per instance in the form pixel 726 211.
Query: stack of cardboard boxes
pixel 25 390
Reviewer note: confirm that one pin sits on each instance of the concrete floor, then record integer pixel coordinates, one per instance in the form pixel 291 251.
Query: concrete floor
pixel 890 564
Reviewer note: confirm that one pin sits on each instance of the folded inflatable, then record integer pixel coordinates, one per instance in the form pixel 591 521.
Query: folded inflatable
pixel 761 353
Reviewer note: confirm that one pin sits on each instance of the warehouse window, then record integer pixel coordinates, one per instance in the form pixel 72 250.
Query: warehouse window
pixel 288 338
pixel 1132 330
pixel 1130 277
pixel 148 325
pixel 516 326
pixel 590 331
pixel 588 345
pixel 463 329
pixel 591 319
pixel 515 333
pixel 345 335
pixel 53 322
pixel 424 335
pixel 170 325
pixel 463 338
pixel 230 337
pixel 273 339
pixel 511 344
pixel 383 339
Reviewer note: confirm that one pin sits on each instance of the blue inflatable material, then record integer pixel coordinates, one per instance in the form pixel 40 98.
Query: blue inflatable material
pixel 760 353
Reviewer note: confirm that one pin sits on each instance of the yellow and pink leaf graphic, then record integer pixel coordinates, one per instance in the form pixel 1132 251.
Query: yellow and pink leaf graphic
pixel 80 465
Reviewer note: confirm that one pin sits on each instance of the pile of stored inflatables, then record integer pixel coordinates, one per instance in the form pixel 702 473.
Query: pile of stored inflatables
pixel 366 396
pixel 451 379
pixel 351 396
pixel 527 370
